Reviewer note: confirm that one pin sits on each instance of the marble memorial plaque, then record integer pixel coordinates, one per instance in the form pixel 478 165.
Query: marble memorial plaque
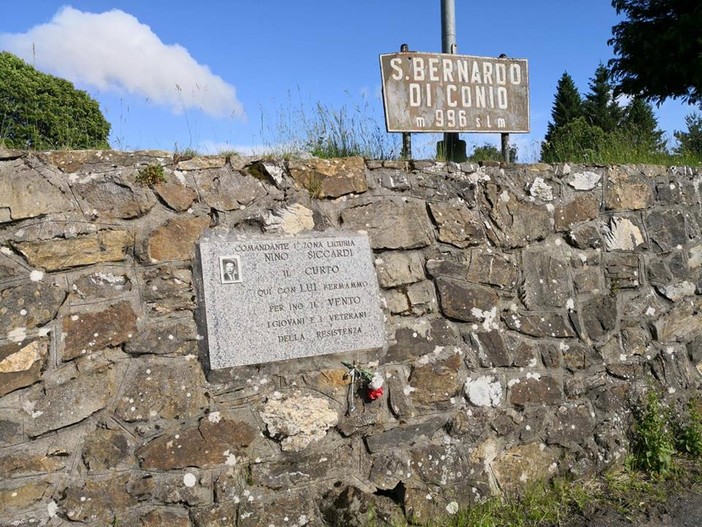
pixel 276 298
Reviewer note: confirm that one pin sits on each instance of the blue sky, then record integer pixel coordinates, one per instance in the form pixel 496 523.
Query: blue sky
pixel 222 75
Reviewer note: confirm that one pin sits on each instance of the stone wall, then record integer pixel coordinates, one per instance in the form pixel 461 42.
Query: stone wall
pixel 527 307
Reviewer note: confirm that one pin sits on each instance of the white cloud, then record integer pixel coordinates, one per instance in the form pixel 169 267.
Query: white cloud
pixel 114 51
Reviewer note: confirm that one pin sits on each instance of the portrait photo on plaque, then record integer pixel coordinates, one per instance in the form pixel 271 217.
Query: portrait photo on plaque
pixel 230 269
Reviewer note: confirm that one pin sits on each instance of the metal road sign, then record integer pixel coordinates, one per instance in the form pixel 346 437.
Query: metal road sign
pixel 440 92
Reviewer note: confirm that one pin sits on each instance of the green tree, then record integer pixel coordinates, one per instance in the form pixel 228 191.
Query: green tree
pixel 657 49
pixel 690 142
pixel 567 106
pixel 600 108
pixel 640 126
pixel 488 152
pixel 576 142
pixel 41 112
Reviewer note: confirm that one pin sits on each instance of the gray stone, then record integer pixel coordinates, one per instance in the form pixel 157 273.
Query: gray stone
pixel 97 501
pixel 546 280
pixel 516 222
pixel 586 180
pixel 100 285
pixel 435 384
pixel 398 268
pixel 162 389
pixel 391 224
pixel 491 349
pixel 538 324
pixel 585 237
pixel 225 190
pixel 190 488
pixel 491 268
pixel 467 302
pixel 219 440
pixel 111 196
pixel 422 298
pixel 621 271
pixel 420 339
pixel 332 178
pixel 298 297
pixel 535 389
pixel 167 289
pixel 406 434
pixel 599 316
pixel 304 469
pixel 581 209
pixel 458 225
pixel 24 193
pixel 682 323
pixel 171 337
pixel 523 464
pixel 63 402
pixel 29 305
pixel 666 229
pixel 107 449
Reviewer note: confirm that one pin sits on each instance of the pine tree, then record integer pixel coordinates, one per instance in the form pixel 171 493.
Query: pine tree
pixel 640 126
pixel 567 105
pixel 690 142
pixel 599 107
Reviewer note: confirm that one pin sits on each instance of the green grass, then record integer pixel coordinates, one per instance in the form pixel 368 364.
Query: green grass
pixel 150 175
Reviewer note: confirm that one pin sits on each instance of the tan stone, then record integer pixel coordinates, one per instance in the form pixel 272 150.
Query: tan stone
pixel 330 178
pixel 435 383
pixel 99 501
pixel 176 239
pixel 89 332
pixel 200 162
pixel 24 193
pixel 225 190
pixel 298 420
pixel 21 365
pixel 22 497
pixel 626 190
pixel 54 255
pixel 524 464
pixel 177 196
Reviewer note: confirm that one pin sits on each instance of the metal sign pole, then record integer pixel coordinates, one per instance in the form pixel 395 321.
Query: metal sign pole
pixel 406 136
pixel 451 147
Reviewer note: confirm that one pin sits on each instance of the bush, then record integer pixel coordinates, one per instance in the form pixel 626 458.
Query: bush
pixel 652 445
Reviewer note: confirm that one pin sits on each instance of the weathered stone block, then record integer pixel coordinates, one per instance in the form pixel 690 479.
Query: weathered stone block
pixel 523 464
pixel 166 290
pixel 491 349
pixel 621 270
pixel 29 305
pixel 25 193
pixel 85 333
pixel 599 316
pixel 218 440
pixel 170 337
pixel 582 208
pixel 682 324
pixel 330 177
pixel 467 302
pixel 571 425
pixel 516 222
pixel 98 501
pixel 166 518
pixel 546 280
pixel 22 364
pixel 297 420
pixel 404 435
pixel 55 255
pixel 436 383
pixel 162 389
pixel 398 268
pixel 420 339
pixel 622 234
pixel 538 324
pixel 112 196
pixel 626 190
pixel 100 285
pixel 188 488
pixel 391 224
pixel 666 229
pixel 176 239
pixel 224 190
pixel 458 225
pixel 60 404
pixel 484 391
pixel 107 449
pixel 422 297
pixel 491 268
pixel 535 389
pixel 177 196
